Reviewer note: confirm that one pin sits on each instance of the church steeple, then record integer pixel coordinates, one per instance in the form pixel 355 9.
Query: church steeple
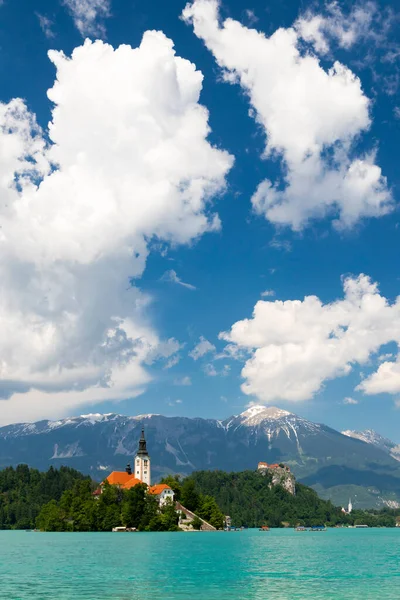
pixel 142 451
pixel 142 461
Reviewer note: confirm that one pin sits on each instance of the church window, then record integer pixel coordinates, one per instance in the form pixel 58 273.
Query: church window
pixel 146 463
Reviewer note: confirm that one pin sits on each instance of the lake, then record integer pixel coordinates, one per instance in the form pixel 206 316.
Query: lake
pixel 280 565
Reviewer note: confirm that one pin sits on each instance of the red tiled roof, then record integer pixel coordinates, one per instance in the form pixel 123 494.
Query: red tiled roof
pixel 119 478
pixel 131 483
pixel 157 489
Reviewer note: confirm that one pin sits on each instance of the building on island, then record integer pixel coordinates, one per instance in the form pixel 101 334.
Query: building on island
pixel 142 462
pixel 142 474
pixel 280 475
pixel 262 466
pixel 163 493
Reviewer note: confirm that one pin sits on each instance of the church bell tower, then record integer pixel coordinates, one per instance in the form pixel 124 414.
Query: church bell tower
pixel 142 462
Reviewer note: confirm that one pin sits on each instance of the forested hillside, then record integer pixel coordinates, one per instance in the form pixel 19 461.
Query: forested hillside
pixel 24 491
pixel 250 499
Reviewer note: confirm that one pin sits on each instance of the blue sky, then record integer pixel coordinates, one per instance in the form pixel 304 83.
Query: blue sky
pixel 115 265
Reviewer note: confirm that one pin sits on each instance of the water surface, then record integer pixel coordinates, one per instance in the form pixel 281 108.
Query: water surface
pixel 278 565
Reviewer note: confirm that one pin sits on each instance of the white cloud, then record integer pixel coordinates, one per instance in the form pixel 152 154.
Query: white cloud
pixel 384 357
pixel 385 380
pixel 163 349
pixel 174 402
pixel 267 293
pixel 345 29
pixel 311 117
pixel 172 277
pixel 88 15
pixel 210 370
pixel 172 362
pixel 202 348
pixel 350 401
pixel 295 346
pixel 251 16
pixel 281 244
pixel 183 381
pixel 46 25
pixel 128 161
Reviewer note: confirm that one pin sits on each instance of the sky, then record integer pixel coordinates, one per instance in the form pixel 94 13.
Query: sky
pixel 199 209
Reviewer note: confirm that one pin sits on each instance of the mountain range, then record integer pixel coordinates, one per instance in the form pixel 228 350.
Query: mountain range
pixel 337 465
pixel 371 437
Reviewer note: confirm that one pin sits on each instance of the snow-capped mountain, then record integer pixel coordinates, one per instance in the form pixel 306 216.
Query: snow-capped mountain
pixel 318 455
pixel 369 436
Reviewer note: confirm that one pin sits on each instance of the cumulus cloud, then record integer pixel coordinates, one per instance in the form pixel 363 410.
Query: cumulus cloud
pixel 267 293
pixel 295 346
pixel 312 118
pixel 385 380
pixel 127 161
pixel 89 15
pixel 172 277
pixel 202 348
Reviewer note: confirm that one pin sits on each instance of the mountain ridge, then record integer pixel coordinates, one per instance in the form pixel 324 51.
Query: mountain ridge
pixel 96 443
pixel 370 436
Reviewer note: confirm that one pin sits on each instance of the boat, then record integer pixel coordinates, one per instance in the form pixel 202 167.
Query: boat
pixel 264 528
pixel 301 528
pixel 318 528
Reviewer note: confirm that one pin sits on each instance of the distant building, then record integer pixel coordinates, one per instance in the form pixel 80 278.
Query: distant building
pixel 142 474
pixel 163 492
pixel 124 479
pixel 142 462
pixel 349 509
pixel 262 466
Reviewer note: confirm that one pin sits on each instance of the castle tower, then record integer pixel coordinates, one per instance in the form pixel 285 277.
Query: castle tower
pixel 142 462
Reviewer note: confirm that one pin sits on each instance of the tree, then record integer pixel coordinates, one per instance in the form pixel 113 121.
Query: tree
pixel 133 506
pixel 196 523
pixel 50 518
pixel 189 496
pixel 210 512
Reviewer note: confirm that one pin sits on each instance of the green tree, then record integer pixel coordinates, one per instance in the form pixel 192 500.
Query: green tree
pixel 133 506
pixel 190 498
pixel 196 523
pixel 210 512
pixel 50 518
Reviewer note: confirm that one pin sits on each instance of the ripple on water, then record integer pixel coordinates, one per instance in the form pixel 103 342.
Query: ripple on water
pixel 279 565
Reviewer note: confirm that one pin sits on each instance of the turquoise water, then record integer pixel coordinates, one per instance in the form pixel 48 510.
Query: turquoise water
pixel 278 565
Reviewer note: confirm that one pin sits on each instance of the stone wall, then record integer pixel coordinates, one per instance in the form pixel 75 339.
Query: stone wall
pixel 189 515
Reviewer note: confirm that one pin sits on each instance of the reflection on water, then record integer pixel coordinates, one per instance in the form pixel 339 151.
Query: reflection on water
pixel 279 565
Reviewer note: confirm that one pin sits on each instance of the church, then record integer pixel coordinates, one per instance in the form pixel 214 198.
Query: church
pixel 141 473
